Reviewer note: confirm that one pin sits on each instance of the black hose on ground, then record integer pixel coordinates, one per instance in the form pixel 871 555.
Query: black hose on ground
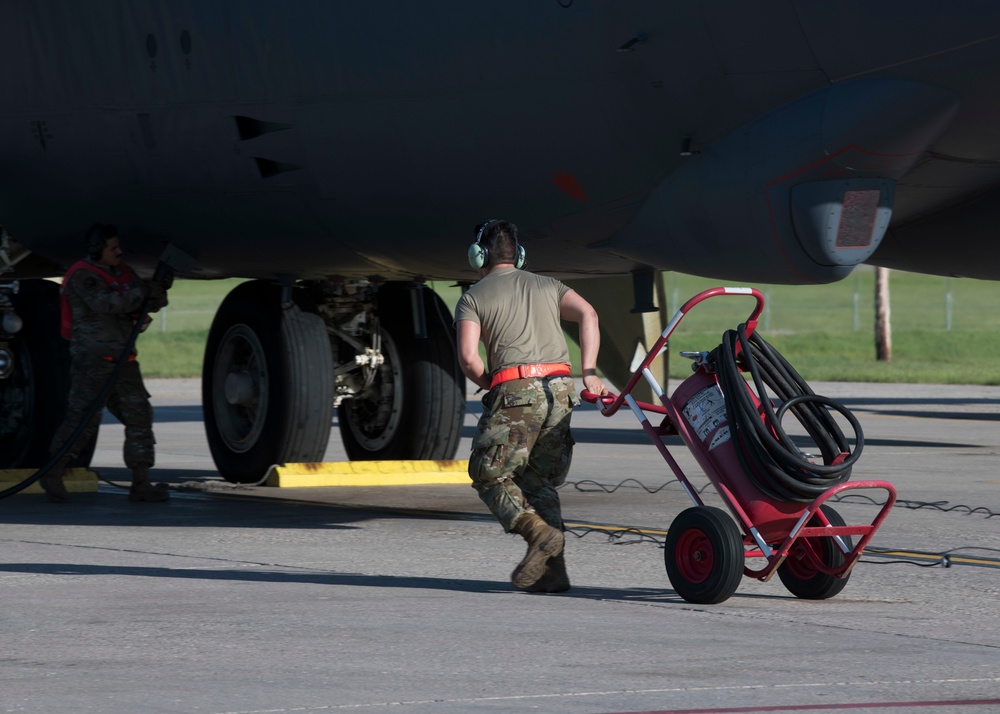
pixel 770 458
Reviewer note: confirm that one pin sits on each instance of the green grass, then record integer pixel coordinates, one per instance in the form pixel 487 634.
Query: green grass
pixel 944 330
pixel 929 357
pixel 174 344
pixel 172 354
pixel 825 331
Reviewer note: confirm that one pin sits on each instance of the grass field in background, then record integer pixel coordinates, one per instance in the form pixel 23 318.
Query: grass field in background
pixel 944 330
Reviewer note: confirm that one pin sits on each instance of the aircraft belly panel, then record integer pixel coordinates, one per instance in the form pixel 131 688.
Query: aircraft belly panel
pixel 853 39
pixel 959 241
pixel 938 184
pixel 345 138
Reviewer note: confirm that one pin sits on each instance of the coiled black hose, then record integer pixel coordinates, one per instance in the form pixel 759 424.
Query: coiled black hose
pixel 770 458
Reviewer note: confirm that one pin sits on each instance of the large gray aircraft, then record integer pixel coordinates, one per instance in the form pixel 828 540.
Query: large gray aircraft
pixel 340 153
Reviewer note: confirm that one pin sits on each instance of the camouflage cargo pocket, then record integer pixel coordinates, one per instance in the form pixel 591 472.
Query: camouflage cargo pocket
pixel 489 448
pixel 513 400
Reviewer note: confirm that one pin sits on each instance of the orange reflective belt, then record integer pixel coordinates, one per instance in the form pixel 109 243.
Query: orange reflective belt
pixel 523 371
pixel 131 358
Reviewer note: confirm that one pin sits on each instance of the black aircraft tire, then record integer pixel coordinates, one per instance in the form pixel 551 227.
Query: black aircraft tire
pixel 416 407
pixel 33 398
pixel 267 384
pixel 448 398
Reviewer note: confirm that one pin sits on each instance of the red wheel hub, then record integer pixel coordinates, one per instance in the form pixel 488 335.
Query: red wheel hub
pixel 800 559
pixel 695 556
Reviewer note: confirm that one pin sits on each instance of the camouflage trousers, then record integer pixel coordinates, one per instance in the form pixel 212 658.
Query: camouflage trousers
pixel 128 401
pixel 523 447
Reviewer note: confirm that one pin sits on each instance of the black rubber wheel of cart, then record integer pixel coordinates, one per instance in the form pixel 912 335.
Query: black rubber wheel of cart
pixel 799 573
pixel 704 555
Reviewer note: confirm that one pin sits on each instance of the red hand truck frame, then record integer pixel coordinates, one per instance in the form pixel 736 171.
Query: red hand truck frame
pixel 808 545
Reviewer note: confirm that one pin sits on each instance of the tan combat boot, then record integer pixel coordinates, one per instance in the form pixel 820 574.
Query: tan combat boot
pixel 143 490
pixel 544 542
pixel 52 483
pixel 555 579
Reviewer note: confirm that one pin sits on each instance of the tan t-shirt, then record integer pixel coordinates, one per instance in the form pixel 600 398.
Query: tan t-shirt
pixel 518 315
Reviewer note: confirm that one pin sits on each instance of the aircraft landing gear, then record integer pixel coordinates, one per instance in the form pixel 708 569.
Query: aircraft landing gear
pixel 33 392
pixel 384 356
pixel 414 406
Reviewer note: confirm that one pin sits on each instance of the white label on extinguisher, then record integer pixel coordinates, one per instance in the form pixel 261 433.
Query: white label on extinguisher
pixel 706 412
pixel 720 437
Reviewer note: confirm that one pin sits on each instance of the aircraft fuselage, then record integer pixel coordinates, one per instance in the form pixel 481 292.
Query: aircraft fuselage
pixel 347 138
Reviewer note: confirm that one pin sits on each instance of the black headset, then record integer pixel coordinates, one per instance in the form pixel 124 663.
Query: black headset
pixel 479 255
pixel 98 236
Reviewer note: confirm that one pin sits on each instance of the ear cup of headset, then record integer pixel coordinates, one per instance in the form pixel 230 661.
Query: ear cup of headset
pixel 478 256
pixel 95 242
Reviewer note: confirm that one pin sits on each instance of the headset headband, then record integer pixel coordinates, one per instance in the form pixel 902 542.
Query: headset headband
pixel 482 229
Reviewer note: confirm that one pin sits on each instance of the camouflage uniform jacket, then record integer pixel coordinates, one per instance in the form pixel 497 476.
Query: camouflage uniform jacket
pixel 103 314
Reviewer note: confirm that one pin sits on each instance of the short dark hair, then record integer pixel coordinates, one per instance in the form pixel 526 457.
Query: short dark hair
pixel 98 236
pixel 500 239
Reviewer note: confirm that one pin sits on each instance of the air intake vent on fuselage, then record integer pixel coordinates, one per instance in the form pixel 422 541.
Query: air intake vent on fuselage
pixel 250 128
pixel 270 168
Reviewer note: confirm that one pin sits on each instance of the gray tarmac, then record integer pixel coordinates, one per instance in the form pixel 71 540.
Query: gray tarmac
pixel 235 599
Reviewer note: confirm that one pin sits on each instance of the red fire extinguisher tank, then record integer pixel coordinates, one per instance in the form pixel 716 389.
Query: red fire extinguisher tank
pixel 714 442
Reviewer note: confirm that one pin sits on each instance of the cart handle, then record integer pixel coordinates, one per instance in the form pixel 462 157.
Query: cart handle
pixel 609 398
pixel 611 404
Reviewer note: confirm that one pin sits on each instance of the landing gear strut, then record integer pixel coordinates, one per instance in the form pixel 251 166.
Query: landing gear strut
pixel 414 407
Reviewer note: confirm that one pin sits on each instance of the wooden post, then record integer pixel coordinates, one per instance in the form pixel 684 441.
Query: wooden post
pixel 883 328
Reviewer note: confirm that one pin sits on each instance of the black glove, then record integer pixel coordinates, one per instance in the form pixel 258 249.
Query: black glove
pixel 167 280
pixel 156 296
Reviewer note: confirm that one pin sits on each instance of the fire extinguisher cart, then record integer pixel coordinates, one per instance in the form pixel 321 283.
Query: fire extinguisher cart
pixel 781 519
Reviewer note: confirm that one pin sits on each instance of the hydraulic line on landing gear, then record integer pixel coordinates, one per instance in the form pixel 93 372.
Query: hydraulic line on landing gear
pixel 769 456
pixel 171 260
